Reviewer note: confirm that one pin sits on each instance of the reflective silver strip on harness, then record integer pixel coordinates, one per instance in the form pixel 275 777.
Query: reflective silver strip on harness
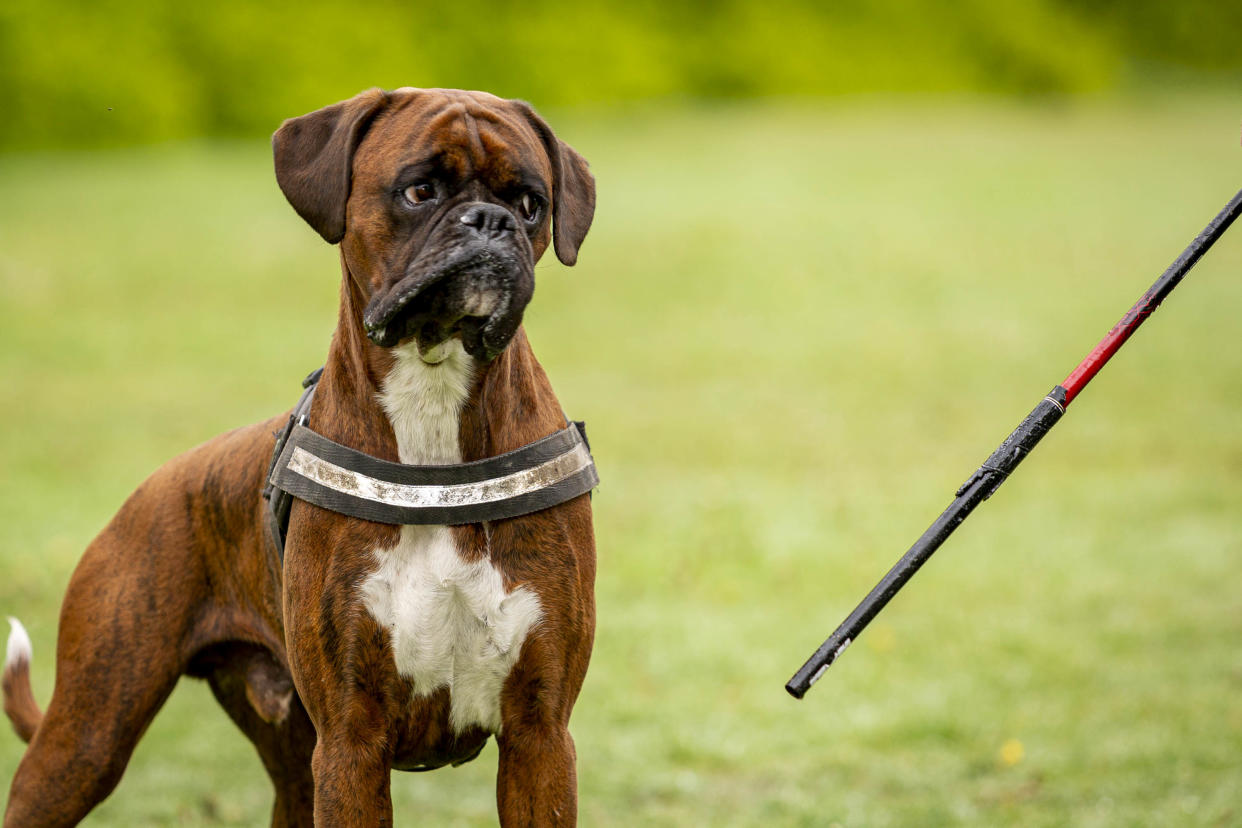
pixel 345 481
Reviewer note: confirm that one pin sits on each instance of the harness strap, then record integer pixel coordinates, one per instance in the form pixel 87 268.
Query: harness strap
pixel 278 501
pixel 310 467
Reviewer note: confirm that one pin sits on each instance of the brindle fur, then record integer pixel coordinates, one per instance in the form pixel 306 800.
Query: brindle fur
pixel 183 581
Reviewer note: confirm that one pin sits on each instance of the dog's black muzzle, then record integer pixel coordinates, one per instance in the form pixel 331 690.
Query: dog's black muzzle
pixel 473 278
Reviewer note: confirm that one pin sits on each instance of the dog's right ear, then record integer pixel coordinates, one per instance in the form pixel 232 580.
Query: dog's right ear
pixel 314 159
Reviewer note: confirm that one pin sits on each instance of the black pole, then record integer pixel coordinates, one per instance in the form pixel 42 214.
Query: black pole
pixel 988 477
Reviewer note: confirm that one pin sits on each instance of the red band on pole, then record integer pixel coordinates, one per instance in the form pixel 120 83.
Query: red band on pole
pixel 1151 300
pixel 1109 345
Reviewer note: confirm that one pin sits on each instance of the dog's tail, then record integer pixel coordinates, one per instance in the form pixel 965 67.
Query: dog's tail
pixel 19 700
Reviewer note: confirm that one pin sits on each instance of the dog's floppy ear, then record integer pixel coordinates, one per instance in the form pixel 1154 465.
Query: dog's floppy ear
pixel 314 157
pixel 573 197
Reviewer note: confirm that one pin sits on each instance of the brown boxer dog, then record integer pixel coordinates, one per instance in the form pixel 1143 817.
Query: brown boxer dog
pixel 374 646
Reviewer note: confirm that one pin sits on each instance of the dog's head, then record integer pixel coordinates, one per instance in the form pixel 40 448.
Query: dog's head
pixel 442 201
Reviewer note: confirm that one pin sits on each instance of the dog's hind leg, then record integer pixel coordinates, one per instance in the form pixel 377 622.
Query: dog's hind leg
pixel 257 693
pixel 120 650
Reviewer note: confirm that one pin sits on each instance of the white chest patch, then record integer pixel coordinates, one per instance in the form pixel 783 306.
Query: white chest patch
pixel 452 623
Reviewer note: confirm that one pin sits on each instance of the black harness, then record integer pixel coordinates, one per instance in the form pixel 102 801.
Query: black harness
pixel 310 467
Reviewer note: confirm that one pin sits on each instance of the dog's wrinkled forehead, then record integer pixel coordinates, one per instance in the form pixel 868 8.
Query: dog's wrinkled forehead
pixel 460 135
pixel 355 147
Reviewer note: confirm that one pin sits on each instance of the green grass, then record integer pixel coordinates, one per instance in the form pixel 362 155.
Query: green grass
pixel 793 332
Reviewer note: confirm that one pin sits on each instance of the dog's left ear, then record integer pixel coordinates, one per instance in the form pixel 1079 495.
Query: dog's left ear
pixel 314 159
pixel 573 197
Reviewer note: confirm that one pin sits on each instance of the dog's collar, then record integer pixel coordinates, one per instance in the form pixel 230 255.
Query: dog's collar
pixel 310 467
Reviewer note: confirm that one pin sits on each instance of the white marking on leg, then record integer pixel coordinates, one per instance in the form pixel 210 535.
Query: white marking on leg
pixel 452 623
pixel 19 649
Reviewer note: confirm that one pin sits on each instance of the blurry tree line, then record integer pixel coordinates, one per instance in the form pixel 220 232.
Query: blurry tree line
pixel 99 72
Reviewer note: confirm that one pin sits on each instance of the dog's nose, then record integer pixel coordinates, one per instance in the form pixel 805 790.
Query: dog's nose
pixel 489 221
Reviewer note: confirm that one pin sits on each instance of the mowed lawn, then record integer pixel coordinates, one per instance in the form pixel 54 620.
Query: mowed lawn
pixel 794 331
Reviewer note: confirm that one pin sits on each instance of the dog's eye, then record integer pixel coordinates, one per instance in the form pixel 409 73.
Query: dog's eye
pixel 529 207
pixel 420 192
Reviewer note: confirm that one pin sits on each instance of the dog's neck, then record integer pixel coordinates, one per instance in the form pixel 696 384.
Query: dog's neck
pixel 389 403
pixel 423 402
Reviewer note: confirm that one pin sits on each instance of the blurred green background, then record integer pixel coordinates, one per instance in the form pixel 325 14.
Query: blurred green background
pixel 106 72
pixel 839 253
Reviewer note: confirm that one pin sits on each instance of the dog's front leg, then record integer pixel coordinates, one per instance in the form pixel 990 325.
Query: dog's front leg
pixel 352 761
pixel 352 772
pixel 537 783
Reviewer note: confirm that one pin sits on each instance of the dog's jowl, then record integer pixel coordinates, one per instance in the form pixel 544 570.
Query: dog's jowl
pixel 431 583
